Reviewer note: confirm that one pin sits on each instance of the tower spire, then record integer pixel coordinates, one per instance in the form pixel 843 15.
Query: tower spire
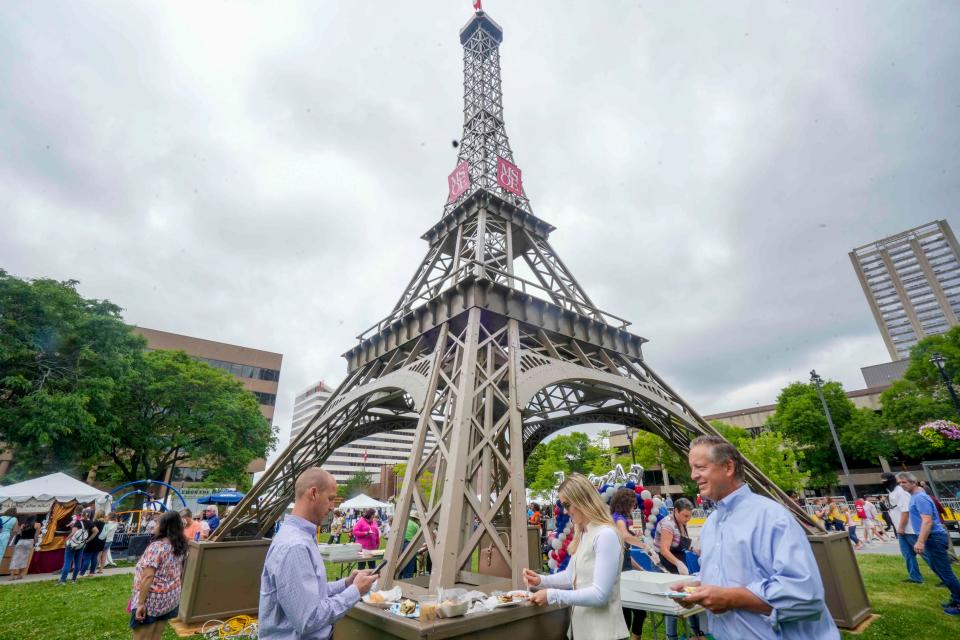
pixel 485 160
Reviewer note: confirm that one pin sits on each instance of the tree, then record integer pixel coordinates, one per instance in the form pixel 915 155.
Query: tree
pixel 732 433
pixel 426 479
pixel 921 396
pixel 173 409
pixel 573 453
pixel 868 437
pixel 799 416
pixel 778 458
pixel 62 358
pixel 78 390
pixel 650 449
pixel 355 485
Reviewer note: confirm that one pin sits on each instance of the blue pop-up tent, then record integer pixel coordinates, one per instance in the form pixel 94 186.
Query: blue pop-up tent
pixel 223 497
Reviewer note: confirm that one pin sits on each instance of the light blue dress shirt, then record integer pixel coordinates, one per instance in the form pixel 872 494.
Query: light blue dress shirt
pixel 753 542
pixel 296 601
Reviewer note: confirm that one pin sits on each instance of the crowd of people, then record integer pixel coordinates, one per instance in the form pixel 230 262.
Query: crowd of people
pixel 757 574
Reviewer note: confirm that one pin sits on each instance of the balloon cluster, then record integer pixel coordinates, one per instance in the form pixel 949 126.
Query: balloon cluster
pixel 558 540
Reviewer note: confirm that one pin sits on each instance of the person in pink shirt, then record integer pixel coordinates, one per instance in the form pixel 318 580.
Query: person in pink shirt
pixel 367 534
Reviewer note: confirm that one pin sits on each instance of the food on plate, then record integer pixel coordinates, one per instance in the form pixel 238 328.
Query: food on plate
pixel 522 595
pixel 505 598
pixel 407 607
pixel 375 597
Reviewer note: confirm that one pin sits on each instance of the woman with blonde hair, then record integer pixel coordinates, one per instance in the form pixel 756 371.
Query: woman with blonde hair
pixel 591 581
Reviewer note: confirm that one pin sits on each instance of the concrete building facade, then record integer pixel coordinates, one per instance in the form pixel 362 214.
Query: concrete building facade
pixel 912 284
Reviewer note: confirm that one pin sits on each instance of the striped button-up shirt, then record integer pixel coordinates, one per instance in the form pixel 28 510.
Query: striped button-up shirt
pixel 296 601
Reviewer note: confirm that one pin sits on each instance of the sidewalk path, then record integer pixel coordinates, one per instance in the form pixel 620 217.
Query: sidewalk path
pixel 40 577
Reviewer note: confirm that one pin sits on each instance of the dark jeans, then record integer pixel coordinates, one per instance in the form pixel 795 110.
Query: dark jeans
pixel 906 541
pixel 71 557
pixel 89 560
pixel 935 552
pixel 411 567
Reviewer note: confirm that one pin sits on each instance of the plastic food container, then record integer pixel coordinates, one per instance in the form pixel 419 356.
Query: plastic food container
pixel 452 609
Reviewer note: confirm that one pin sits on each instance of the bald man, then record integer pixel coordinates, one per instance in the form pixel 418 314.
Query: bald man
pixel 296 601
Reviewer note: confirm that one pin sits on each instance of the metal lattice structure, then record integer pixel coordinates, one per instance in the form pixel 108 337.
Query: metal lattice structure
pixel 487 361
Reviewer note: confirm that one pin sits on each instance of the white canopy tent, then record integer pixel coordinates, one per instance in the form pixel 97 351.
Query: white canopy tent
pixel 363 501
pixel 37 495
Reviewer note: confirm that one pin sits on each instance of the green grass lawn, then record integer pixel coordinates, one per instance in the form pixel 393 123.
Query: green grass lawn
pixel 96 608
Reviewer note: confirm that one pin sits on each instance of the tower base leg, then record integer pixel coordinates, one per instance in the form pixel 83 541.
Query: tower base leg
pixel 222 580
pixel 843 586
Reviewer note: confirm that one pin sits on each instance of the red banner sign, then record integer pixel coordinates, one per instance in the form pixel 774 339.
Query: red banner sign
pixel 459 181
pixel 508 177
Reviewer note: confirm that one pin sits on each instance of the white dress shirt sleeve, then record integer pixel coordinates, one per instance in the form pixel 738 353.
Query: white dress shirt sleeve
pixel 337 586
pixel 606 570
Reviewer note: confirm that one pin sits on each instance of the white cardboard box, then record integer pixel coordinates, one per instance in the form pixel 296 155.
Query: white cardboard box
pixel 644 588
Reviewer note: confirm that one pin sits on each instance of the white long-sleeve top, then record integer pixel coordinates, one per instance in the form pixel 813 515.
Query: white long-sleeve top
pixel 606 547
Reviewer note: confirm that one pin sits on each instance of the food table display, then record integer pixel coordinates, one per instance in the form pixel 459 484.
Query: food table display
pixel 454 613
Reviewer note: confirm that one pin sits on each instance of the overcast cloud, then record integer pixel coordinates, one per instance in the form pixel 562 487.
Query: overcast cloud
pixel 260 174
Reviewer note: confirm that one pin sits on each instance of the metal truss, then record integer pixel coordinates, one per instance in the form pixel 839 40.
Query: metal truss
pixel 484 133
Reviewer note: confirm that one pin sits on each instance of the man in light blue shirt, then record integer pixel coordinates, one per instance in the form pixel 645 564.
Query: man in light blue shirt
pixel 296 601
pixel 932 538
pixel 758 576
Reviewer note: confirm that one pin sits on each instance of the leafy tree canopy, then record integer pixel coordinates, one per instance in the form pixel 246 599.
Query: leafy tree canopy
pixel 921 396
pixel 355 485
pixel 800 418
pixel 573 453
pixel 778 458
pixel 173 409
pixel 62 358
pixel 78 390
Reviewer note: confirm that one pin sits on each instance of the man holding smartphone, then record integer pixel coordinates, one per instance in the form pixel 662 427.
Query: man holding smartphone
pixel 296 601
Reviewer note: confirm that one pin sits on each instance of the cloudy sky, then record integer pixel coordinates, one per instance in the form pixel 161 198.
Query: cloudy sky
pixel 260 173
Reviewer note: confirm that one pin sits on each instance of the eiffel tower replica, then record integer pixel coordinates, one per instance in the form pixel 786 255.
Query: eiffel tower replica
pixel 492 347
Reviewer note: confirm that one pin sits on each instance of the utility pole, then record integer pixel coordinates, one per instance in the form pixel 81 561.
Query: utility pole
pixel 817 382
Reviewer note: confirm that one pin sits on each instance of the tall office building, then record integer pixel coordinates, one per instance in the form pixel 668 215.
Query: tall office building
pixel 366 454
pixel 912 283
pixel 259 371
pixel 306 405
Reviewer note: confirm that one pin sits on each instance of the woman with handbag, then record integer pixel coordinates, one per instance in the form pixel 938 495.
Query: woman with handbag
pixel 158 579
pixel 591 582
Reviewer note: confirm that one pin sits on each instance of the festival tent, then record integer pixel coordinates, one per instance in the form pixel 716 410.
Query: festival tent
pixel 363 501
pixel 53 498
pixel 39 494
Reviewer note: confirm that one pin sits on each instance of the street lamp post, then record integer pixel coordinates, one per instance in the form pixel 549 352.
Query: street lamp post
pixel 633 455
pixel 817 382
pixel 941 362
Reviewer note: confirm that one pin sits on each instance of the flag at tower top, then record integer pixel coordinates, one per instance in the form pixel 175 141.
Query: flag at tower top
pixel 477 6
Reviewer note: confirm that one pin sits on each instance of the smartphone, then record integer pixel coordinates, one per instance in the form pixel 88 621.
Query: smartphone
pixel 379 567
